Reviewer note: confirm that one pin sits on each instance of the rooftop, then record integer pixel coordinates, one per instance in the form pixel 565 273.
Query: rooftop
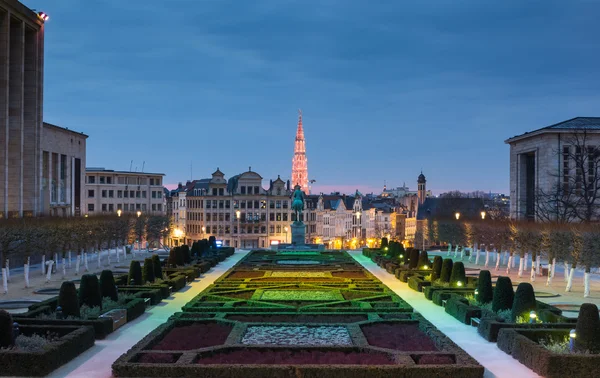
pixel 104 170
pixel 46 124
pixel 573 124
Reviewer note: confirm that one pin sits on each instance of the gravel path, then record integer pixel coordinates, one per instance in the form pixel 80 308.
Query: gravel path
pixel 301 335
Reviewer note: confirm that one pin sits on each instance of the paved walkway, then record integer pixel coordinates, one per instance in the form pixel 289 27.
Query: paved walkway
pixel 496 362
pixel 96 362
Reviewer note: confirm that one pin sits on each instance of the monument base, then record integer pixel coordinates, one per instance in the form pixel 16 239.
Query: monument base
pixel 298 233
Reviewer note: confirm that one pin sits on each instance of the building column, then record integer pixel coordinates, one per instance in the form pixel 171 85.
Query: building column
pixel 4 104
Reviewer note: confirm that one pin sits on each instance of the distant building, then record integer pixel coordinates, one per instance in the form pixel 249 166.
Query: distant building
pixel 544 163
pixel 21 115
pixel 299 162
pixel 108 191
pixel 63 171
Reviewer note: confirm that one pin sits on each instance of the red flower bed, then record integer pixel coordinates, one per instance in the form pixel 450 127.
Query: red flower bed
pixel 158 358
pixel 349 274
pixel 398 336
pixel 434 359
pixel 246 274
pixel 298 318
pixel 294 357
pixel 199 335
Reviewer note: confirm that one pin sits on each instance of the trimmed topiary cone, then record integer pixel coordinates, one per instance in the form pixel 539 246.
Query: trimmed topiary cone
pixel 187 257
pixel 67 299
pixel 436 271
pixel 446 270
pixel 458 277
pixel 172 261
pixel 157 267
pixel 107 285
pixel 148 270
pixel 6 329
pixel 179 256
pixel 212 241
pixel 413 259
pixel 89 291
pixel 587 331
pixel 503 294
pixel 524 301
pixel 423 262
pixel 384 243
pixel 135 273
pixel 485 292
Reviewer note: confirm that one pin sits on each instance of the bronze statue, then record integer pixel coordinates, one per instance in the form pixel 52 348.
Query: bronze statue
pixel 298 202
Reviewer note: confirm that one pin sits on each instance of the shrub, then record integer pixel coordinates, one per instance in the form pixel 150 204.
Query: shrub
pixel 135 273
pixel 179 256
pixel 89 291
pixel 485 292
pixel 437 268
pixel 458 277
pixel 148 271
pixel 423 262
pixel 196 251
pixel 503 294
pixel 588 329
pixel 67 299
pixel 6 329
pixel 157 267
pixel 413 259
pixel 524 301
pixel 446 270
pixel 384 243
pixel 204 246
pixel 172 261
pixel 108 287
pixel 212 242
pixel 187 258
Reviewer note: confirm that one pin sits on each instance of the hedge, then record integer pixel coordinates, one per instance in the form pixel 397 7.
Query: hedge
pixel 73 341
pixel 406 274
pixel 459 307
pixel 154 294
pixel 490 325
pixel 102 327
pixel 523 345
pixel 418 283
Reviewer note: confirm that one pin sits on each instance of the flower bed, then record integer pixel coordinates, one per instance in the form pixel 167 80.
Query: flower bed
pixel 301 295
pixel 349 274
pixel 524 346
pixel 301 318
pixel 300 274
pixel 194 336
pixel 297 335
pixel 71 342
pixel 246 274
pixel 398 336
pixel 298 262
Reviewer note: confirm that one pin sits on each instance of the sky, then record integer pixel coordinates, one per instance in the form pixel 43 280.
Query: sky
pixel 387 88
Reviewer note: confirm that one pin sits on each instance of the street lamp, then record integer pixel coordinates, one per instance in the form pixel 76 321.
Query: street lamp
pixel 203 230
pixel 119 212
pixel 359 228
pixel 286 230
pixel 238 215
pixel 457 215
pixel 483 215
pixel 139 213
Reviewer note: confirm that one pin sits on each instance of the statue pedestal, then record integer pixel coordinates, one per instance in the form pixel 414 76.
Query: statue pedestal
pixel 298 233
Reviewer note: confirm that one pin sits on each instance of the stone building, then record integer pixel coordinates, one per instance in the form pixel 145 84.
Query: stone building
pixel 108 191
pixel 544 166
pixel 63 171
pixel 21 109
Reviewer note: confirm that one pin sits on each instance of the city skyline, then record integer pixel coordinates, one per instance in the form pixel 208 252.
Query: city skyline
pixel 386 91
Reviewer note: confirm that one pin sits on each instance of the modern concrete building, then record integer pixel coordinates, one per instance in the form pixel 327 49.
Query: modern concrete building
pixel 63 171
pixel 551 165
pixel 107 191
pixel 21 109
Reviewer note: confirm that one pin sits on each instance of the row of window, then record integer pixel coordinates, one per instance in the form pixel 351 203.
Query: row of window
pixel 243 190
pixel 125 207
pixel 220 230
pixel 105 193
pixel 123 180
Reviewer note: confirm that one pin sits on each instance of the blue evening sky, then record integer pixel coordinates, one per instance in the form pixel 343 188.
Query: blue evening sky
pixel 386 87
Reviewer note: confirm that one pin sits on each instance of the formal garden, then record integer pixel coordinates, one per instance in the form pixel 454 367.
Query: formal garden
pixel 535 333
pixel 56 330
pixel 305 313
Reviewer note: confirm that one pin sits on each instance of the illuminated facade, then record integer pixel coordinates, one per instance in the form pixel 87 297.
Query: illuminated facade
pixel 299 162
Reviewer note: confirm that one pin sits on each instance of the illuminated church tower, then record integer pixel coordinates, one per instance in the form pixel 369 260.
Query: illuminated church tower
pixel 299 164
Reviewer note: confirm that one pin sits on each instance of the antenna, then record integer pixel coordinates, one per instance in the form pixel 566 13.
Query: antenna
pixel 130 166
pixel 191 172
pixel 143 165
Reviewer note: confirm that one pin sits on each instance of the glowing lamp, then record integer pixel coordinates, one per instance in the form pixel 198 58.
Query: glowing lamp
pixel 119 212
pixel 459 284
pixel 457 215
pixel 385 249
pixel 572 340
pixel 178 233
pixel 139 213
pixel 425 267
pixel 43 16
pixel 483 215
pixel 237 214
pixel 532 317
pixel 476 292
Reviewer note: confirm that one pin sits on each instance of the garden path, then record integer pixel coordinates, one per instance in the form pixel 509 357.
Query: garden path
pixel 97 361
pixel 496 362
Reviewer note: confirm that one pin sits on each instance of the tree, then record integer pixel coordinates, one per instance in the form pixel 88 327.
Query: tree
pixel 590 257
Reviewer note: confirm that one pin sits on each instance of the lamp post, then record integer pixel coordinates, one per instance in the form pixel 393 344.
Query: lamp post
pixel 203 230
pixel 139 213
pixel 457 215
pixel 239 231
pixel 483 215
pixel 119 212
pixel 286 230
pixel 359 236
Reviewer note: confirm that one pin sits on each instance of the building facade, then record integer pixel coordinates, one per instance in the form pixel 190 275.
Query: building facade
pixel 552 167
pixel 21 109
pixel 63 171
pixel 108 191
